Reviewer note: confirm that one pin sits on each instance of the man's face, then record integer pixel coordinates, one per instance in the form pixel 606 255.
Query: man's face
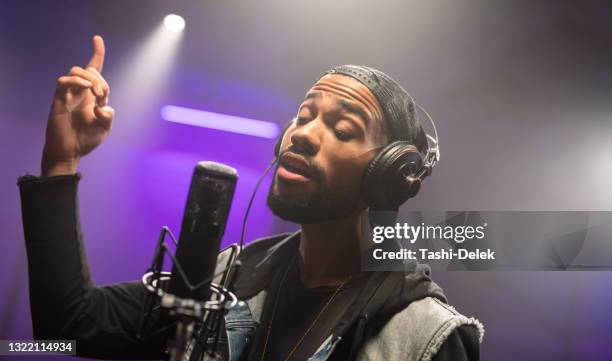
pixel 323 155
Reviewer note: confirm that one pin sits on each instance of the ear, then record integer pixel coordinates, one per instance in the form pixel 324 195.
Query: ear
pixel 279 141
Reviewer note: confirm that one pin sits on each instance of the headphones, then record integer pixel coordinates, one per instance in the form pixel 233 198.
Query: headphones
pixel 396 173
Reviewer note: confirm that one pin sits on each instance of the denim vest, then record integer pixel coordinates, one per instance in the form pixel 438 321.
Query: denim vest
pixel 414 334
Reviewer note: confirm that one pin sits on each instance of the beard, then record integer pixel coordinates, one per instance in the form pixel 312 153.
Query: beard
pixel 323 205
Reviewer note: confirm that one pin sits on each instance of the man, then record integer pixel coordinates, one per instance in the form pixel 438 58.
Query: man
pixel 305 295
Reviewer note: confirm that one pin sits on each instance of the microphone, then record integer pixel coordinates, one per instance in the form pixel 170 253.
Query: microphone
pixel 206 212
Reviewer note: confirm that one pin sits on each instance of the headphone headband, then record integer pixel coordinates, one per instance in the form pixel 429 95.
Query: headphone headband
pixel 433 147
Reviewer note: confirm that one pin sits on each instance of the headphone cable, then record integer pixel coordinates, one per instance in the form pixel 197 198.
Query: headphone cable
pixel 246 214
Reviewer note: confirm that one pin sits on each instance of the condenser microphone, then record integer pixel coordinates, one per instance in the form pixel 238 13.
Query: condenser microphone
pixel 208 205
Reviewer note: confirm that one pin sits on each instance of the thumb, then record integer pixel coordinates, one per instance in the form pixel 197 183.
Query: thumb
pixel 104 116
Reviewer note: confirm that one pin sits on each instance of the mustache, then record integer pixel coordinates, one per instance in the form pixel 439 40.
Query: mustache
pixel 316 172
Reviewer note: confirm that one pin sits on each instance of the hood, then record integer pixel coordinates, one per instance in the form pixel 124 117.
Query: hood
pixel 411 284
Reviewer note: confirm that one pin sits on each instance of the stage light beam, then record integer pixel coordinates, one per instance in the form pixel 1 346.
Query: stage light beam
pixel 142 80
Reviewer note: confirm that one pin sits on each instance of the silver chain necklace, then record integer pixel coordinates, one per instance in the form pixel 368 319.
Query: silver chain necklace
pixel 280 287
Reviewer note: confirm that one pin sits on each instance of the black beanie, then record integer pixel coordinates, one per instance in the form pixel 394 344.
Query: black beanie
pixel 398 107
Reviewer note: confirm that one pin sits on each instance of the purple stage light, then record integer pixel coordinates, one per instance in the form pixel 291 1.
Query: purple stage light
pixel 228 123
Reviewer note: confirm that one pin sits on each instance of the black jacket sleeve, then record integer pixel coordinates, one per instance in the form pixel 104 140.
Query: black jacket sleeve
pixel 64 301
pixel 461 345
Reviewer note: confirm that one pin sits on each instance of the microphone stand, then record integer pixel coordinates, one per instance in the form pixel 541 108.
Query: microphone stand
pixel 194 320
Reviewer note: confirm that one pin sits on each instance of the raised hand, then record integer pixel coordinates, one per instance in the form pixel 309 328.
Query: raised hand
pixel 80 116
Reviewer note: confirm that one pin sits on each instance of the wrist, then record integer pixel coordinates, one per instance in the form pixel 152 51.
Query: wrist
pixel 50 168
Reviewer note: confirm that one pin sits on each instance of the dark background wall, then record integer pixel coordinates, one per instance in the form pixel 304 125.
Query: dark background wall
pixel 520 91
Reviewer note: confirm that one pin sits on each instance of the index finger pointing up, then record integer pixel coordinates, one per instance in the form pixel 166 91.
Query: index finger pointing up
pixel 97 58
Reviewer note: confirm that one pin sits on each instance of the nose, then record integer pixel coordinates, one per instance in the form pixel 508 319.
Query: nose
pixel 307 138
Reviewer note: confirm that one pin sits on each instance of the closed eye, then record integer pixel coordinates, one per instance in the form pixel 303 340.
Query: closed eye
pixel 342 135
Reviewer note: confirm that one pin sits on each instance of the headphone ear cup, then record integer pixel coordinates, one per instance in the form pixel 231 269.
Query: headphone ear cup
pixel 279 141
pixel 389 179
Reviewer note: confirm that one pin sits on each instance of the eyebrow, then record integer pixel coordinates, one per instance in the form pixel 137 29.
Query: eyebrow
pixel 352 108
pixel 313 95
pixel 345 104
